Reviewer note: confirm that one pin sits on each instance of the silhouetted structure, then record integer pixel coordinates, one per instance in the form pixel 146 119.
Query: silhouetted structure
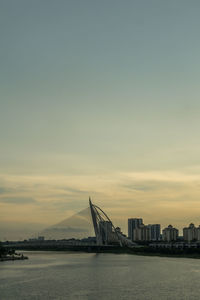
pixel 106 233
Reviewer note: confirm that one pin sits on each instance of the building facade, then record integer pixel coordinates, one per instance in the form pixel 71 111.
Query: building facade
pixel 137 231
pixel 154 232
pixel 170 234
pixel 105 228
pixel 142 233
pixel 133 223
pixel 191 233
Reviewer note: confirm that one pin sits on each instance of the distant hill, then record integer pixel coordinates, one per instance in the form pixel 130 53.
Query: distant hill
pixel 77 226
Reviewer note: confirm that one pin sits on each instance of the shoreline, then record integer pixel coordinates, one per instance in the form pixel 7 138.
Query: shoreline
pixel 142 251
pixel 12 258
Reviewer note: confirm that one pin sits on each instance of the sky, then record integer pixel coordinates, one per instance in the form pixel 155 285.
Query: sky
pixel 100 99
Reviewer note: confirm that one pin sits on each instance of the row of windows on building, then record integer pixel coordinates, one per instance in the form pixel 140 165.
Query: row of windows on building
pixel 137 231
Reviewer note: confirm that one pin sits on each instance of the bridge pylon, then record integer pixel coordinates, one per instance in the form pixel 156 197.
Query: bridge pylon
pixel 105 232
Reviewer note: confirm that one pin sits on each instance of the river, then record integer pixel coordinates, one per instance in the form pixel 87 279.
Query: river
pixel 59 275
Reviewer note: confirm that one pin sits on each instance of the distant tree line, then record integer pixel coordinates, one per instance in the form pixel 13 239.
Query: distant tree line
pixel 167 251
pixel 4 251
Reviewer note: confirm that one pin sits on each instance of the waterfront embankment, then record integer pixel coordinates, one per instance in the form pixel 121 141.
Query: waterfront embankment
pixel 144 250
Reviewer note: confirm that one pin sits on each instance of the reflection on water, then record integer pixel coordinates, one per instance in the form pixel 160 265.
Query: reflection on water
pixel 53 275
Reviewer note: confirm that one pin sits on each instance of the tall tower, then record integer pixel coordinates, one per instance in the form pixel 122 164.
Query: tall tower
pixel 94 220
pixel 132 224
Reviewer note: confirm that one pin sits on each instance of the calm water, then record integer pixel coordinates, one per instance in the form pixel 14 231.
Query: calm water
pixel 52 275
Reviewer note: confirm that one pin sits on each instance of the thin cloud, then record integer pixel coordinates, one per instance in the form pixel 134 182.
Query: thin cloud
pixel 4 190
pixel 74 190
pixel 18 200
pixel 164 176
pixel 138 187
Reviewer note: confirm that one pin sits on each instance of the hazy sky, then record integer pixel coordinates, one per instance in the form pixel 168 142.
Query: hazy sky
pixel 99 98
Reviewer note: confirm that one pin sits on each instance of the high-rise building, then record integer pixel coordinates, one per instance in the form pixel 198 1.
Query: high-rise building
pixel 154 232
pixel 198 233
pixel 170 234
pixel 105 228
pixel 191 233
pixel 132 224
pixel 142 233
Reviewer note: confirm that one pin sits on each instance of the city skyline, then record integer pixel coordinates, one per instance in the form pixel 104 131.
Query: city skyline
pixel 93 221
pixel 99 99
pixel 80 225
